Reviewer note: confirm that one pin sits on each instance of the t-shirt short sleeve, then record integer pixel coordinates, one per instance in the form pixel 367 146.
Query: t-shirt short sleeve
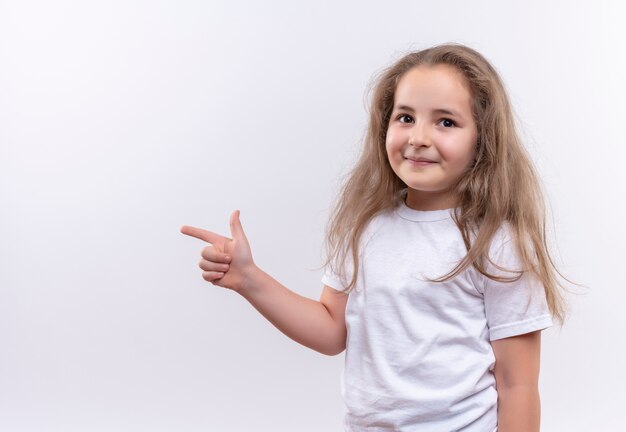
pixel 333 279
pixel 513 308
pixel 340 280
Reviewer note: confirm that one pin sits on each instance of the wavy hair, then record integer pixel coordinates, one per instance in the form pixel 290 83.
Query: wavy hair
pixel 501 186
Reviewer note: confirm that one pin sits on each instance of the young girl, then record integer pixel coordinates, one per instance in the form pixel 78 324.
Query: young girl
pixel 438 279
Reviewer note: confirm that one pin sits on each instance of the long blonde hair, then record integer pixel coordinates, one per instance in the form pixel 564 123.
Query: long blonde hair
pixel 500 187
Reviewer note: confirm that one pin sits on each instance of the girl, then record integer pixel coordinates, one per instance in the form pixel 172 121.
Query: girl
pixel 438 277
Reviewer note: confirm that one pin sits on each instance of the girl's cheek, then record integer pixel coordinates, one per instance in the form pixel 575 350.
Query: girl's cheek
pixel 392 139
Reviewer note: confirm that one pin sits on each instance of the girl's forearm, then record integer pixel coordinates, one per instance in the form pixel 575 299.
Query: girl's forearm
pixel 519 409
pixel 304 320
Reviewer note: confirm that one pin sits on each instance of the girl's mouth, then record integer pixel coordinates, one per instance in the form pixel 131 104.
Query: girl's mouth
pixel 420 163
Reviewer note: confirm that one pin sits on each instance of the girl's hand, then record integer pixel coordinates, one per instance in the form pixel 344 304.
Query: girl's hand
pixel 227 262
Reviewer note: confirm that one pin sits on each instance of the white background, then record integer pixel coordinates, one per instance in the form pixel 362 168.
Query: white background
pixel 121 121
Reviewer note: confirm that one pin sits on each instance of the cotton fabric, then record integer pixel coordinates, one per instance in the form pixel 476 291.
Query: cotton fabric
pixel 418 354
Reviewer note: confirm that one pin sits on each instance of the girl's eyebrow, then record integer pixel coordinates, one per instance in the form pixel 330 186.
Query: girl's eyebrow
pixel 438 110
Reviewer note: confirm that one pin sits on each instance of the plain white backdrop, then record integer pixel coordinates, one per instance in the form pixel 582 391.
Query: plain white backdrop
pixel 121 121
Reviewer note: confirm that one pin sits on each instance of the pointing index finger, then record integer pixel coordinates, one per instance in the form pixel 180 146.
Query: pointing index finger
pixel 202 234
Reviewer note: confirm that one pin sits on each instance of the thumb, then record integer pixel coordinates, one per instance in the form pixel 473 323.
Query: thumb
pixel 236 230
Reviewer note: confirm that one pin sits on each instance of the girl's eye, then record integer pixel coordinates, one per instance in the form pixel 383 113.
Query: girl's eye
pixel 450 122
pixel 401 116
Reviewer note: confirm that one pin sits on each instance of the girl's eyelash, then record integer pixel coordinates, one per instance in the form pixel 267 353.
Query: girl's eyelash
pixel 451 121
pixel 406 115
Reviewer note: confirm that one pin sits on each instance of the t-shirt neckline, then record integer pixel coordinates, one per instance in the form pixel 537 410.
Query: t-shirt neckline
pixel 408 213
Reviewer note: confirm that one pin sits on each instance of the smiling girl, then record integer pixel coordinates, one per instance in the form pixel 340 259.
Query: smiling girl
pixel 438 280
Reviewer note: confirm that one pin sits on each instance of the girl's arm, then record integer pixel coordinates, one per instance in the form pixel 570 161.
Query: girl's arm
pixel 517 376
pixel 317 325
pixel 228 263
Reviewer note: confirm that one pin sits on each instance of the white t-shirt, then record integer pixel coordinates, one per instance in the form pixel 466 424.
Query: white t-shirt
pixel 418 354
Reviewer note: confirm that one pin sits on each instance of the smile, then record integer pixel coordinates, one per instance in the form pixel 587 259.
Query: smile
pixel 420 163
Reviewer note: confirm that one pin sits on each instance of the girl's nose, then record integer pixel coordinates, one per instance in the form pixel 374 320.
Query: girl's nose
pixel 418 136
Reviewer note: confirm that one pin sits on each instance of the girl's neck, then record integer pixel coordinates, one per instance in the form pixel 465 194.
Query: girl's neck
pixel 418 200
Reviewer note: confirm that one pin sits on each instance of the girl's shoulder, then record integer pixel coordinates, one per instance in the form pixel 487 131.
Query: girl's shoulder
pixel 503 249
pixel 502 236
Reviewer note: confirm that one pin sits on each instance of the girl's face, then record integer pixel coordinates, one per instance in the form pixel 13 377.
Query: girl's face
pixel 431 119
